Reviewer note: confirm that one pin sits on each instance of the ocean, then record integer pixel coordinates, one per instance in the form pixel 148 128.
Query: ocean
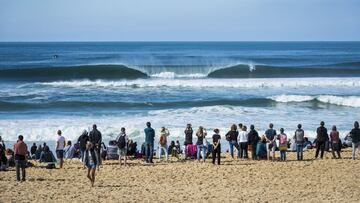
pixel 71 85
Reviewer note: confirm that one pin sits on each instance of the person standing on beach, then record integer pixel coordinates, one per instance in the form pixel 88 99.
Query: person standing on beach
pixel 216 147
pixel 60 145
pixel 20 152
pixel 355 135
pixel 122 143
pixel 188 135
pixel 299 138
pixel 335 142
pixel 282 144
pixel 321 138
pixel 253 138
pixel 83 139
pixel 95 138
pixel 232 137
pixel 164 133
pixel 91 161
pixel 149 143
pixel 270 136
pixel 243 143
pixel 201 133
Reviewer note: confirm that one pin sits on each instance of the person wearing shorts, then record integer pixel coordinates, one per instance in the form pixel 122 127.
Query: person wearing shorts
pixel 60 145
pixel 91 162
pixel 122 141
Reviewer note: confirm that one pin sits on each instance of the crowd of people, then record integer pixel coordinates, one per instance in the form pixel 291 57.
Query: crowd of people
pixel 90 149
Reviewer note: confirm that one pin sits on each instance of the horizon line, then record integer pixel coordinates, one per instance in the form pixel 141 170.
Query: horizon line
pixel 82 41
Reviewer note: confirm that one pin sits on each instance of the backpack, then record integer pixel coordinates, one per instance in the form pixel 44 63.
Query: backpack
pixel 299 136
pixel 283 140
pixel 163 140
pixel 121 142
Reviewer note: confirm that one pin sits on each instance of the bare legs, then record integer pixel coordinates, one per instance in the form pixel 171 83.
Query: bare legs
pixel 91 176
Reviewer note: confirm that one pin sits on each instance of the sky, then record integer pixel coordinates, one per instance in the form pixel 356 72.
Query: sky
pixel 179 20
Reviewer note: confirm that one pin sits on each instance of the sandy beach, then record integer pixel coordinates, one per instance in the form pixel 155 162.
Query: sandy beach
pixel 326 180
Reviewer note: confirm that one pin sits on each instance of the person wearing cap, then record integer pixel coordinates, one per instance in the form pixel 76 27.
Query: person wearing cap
pixel 321 138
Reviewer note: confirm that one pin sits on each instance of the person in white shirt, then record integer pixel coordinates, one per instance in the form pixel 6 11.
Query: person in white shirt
pixel 243 143
pixel 60 145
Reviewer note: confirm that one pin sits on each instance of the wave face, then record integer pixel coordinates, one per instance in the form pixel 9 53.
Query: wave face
pixel 67 73
pixel 114 72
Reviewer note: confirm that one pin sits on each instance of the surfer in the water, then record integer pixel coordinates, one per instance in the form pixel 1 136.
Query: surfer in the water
pixel 55 56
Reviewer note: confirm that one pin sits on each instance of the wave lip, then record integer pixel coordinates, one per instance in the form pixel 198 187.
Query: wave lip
pixel 350 101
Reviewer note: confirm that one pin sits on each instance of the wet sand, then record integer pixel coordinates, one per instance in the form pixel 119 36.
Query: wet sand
pixel 326 180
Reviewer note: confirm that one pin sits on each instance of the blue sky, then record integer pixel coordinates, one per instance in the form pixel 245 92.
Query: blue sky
pixel 179 20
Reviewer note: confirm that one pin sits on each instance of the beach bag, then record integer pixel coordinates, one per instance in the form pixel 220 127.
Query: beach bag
pixel 121 142
pixel 191 150
pixel 163 140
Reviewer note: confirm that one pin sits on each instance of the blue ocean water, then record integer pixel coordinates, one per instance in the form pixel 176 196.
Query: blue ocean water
pixel 70 86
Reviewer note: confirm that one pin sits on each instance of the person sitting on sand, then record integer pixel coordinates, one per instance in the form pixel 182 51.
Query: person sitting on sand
pixel 270 136
pixel 69 150
pixel 164 134
pixel 261 151
pixel 149 143
pixel 60 145
pixel 38 152
pixel 282 144
pixel 33 150
pixel 91 161
pixel 178 147
pixel 95 138
pixel 174 149
pixel 243 143
pixel 216 146
pixel 132 148
pixel 122 143
pixel 355 137
pixel 299 137
pixel 321 138
pixel 201 133
pixel 232 137
pixel 48 157
pixel 112 151
pixel 253 138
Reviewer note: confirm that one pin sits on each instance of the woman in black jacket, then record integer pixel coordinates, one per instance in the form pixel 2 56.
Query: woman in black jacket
pixel 253 138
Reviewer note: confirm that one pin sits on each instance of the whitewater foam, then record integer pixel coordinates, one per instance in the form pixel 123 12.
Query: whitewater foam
pixel 208 82
pixel 350 101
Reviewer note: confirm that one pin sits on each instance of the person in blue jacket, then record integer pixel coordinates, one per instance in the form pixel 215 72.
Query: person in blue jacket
pixel 149 143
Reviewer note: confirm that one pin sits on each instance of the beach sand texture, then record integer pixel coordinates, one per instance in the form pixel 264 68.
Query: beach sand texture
pixel 326 180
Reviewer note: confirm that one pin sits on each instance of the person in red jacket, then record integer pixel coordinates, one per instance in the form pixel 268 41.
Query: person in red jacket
pixel 20 152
